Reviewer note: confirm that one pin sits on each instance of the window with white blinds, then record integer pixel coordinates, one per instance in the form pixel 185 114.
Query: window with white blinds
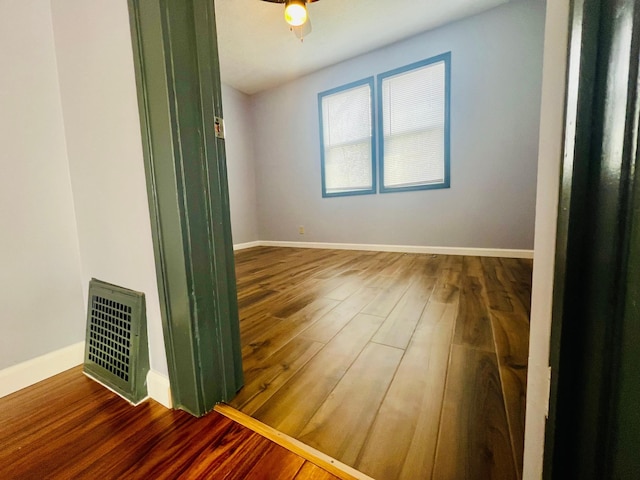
pixel 413 104
pixel 347 136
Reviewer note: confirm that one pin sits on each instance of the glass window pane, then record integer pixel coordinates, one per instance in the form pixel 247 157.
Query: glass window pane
pixel 348 167
pixel 413 105
pixel 347 137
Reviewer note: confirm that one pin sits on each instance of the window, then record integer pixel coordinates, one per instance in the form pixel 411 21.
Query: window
pixel 413 115
pixel 347 139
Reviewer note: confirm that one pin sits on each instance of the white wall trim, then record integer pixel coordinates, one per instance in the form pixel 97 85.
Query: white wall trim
pixel 32 371
pixel 480 252
pixel 159 389
pixel 111 389
pixel 243 246
pixel 37 369
pixel 557 39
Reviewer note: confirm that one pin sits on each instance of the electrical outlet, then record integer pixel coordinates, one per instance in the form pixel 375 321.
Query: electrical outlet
pixel 301 230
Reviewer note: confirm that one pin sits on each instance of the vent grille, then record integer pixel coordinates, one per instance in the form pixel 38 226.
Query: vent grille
pixel 110 336
pixel 116 352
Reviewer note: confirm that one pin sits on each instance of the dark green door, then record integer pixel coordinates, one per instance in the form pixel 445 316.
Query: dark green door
pixel 594 425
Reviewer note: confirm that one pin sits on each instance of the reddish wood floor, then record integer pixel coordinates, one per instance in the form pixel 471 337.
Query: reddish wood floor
pixel 70 427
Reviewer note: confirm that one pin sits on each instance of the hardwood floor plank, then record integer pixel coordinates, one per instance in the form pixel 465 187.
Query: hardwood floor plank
pixel 263 380
pixel 277 459
pixel 15 434
pixel 448 286
pixel 511 268
pixel 428 265
pixel 110 439
pixel 230 458
pixel 309 471
pixel 472 266
pixel 279 333
pixel 391 291
pixel 333 321
pixel 254 294
pixel 519 273
pixel 326 286
pixel 421 453
pixel 402 440
pixel 129 429
pixel 297 292
pixel 269 307
pixel 511 333
pixel 473 327
pixel 397 329
pixel 291 407
pixel 97 419
pixel 519 269
pixel 473 442
pixel 348 288
pixel 452 262
pixel 495 281
pixel 168 454
pixel 278 269
pixel 254 325
pixel 401 265
pixel 340 266
pixel 296 305
pixel 339 427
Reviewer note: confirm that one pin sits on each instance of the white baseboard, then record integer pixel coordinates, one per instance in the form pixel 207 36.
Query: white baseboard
pixel 479 252
pixel 40 368
pixel 244 246
pixel 37 369
pixel 159 389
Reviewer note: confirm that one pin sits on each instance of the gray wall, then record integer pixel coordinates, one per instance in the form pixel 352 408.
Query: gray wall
pixel 240 165
pixel 102 125
pixel 40 289
pixel 495 104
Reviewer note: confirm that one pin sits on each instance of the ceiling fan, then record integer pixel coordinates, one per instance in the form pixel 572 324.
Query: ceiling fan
pixel 296 15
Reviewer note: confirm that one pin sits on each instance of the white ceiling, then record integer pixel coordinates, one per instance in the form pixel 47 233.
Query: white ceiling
pixel 257 50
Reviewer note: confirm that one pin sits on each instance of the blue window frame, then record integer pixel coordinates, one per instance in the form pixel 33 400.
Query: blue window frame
pixel 347 139
pixel 413 126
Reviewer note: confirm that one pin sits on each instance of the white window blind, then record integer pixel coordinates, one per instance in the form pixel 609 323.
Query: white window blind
pixel 347 141
pixel 414 116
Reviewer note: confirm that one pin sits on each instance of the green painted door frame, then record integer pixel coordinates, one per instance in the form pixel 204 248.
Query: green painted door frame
pixel 593 430
pixel 178 83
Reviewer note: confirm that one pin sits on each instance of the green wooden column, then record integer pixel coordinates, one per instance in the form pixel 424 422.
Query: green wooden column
pixel 178 82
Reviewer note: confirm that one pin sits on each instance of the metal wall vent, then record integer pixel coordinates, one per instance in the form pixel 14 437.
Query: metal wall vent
pixel 116 349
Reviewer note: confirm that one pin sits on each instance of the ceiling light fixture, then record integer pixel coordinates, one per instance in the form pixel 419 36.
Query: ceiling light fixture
pixel 295 12
pixel 296 15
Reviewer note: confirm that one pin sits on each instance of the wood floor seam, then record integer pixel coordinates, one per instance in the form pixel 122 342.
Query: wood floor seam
pixel 387 345
pixel 504 396
pixel 370 426
pixel 446 381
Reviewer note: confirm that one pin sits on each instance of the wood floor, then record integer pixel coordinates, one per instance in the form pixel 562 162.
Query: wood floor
pixel 403 366
pixel 71 427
